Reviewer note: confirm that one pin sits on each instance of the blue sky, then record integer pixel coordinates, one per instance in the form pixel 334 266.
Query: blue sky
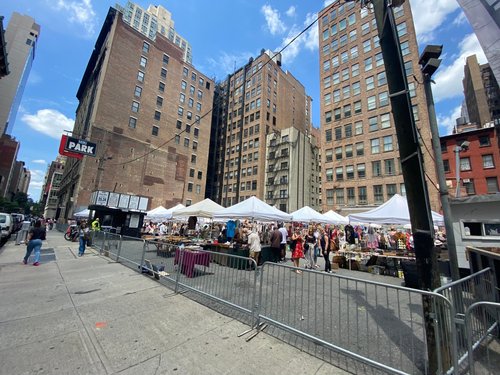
pixel 223 34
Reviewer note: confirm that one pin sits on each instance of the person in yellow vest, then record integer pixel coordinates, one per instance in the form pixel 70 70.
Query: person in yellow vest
pixel 96 225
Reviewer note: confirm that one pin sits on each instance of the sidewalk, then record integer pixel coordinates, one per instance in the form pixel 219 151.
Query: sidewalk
pixel 90 315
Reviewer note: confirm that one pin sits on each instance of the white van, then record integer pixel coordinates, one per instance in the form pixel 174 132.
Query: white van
pixel 6 225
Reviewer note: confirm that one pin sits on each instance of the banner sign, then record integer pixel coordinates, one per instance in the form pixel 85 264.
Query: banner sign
pixel 62 149
pixel 117 200
pixel 80 146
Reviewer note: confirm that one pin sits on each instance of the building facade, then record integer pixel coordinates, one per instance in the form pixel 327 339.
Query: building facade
pixel 292 170
pixel 9 148
pixel 482 95
pixel 478 161
pixel 256 100
pixel 360 158
pixel 147 111
pixel 484 17
pixel 156 19
pixel 21 38
pixel 50 189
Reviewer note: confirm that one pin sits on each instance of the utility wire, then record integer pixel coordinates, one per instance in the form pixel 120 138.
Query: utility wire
pixel 211 109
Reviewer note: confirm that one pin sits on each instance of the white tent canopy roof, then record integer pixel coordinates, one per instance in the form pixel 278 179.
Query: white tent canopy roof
pixel 394 211
pixel 335 218
pixel 159 212
pixel 308 215
pixel 253 208
pixel 205 208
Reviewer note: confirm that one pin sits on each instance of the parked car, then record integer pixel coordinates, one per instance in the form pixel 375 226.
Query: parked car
pixel 6 225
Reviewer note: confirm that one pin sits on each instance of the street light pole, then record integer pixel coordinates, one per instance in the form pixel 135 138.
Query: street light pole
pixel 429 61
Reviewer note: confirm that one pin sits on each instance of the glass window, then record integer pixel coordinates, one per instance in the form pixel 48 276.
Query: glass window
pixel 360 149
pixel 328 135
pixel 336 96
pixel 465 164
pixel 338 133
pixel 183 85
pixel 484 141
pixel 391 190
pixel 355 70
pixel 352 35
pixel 329 155
pixel 385 121
pixel 349 172
pixel 405 48
pixel 163 73
pixel 145 47
pixel 329 174
pixel 180 111
pixel 327 98
pixel 336 77
pixel 408 68
pixel 338 153
pixel 469 186
pixel 388 143
pixel 140 76
pixel 138 91
pixel 351 20
pixel 339 196
pixel 401 29
pixel 367 45
pixel 371 102
pixel 378 193
pixel 361 169
pixel 326 34
pixel 354 52
pixel 383 99
pixel 348 130
pixel 135 107
pixel 370 84
pixel 346 92
pixel 157 115
pixel 329 196
pixel 347 110
pixel 373 123
pixel 488 161
pixel 343 40
pixel 348 151
pixel 161 87
pixel 358 127
pixel 375 145
pixel 339 173
pixel 155 130
pixel 326 82
pixel 365 28
pixel 143 62
pixel 132 122
pixel 328 116
pixel 416 116
pixel 182 98
pixel 492 185
pixel 159 101
pixel 381 78
pixel 356 88
pixel 376 168
pixel 368 64
pixel 379 59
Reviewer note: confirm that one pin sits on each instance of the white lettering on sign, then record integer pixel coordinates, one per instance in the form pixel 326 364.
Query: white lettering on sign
pixel 81 146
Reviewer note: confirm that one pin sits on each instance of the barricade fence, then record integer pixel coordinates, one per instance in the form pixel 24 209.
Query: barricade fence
pixel 378 325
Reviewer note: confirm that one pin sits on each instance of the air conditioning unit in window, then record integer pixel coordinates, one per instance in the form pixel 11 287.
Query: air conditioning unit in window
pixel 466 180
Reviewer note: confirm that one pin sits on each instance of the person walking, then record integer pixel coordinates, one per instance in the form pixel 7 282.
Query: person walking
pixel 34 242
pixel 276 245
pixel 254 244
pixel 298 249
pixel 83 233
pixel 324 245
pixel 284 236
pixel 310 241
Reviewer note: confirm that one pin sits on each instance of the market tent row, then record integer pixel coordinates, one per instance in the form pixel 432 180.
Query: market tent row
pixel 162 213
pixel 336 218
pixel 308 215
pixel 252 208
pixel 394 211
pixel 205 208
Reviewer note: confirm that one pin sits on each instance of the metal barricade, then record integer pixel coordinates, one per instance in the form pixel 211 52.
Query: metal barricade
pixel 130 251
pixel 112 245
pixel 464 293
pixel 482 327
pixel 378 324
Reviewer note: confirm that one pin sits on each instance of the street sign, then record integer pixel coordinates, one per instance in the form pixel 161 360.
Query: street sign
pixel 62 149
pixel 80 146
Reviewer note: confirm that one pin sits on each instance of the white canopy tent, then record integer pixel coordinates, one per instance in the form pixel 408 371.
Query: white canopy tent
pixel 335 218
pixel 83 213
pixel 205 208
pixel 255 209
pixel 308 215
pixel 159 213
pixel 394 211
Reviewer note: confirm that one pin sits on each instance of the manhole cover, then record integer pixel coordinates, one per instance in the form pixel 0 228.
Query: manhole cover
pixel 46 255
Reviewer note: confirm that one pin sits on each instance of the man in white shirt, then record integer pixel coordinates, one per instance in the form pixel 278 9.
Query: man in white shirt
pixel 284 235
pixel 163 229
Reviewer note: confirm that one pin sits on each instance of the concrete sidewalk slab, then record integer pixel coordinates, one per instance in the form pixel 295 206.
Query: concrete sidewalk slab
pixel 90 315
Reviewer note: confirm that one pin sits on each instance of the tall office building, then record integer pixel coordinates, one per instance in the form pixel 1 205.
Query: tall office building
pixel 256 100
pixel 361 165
pixel 156 19
pixel 21 38
pixel 144 107
pixel 484 17
pixel 50 189
pixel 482 94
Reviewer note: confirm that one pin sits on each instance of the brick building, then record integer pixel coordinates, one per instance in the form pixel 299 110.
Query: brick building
pixel 361 165
pixel 146 109
pixel 256 100
pixel 479 161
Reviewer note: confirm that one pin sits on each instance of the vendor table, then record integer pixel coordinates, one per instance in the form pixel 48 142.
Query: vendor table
pixel 190 259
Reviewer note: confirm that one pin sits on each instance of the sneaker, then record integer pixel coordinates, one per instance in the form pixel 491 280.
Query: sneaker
pixel 36 264
pixel 25 261
pixel 80 254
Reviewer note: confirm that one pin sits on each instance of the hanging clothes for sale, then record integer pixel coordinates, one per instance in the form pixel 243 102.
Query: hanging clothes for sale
pixel 230 228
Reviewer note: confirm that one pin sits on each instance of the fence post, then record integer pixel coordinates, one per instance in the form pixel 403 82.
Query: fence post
pixel 103 242
pixel 119 249
pixel 254 297
pixel 143 255
pixel 179 268
pixel 258 307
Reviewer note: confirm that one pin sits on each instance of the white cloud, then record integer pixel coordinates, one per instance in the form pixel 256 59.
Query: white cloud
pixel 291 11
pixel 308 40
pixel 81 13
pixel 328 2
pixel 39 161
pixel 49 122
pixel 449 77
pixel 446 123
pixel 225 63
pixel 460 19
pixel 429 15
pixel 274 23
pixel 34 78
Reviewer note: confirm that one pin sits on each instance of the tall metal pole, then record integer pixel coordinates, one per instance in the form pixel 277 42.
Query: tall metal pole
pixel 443 189
pixel 413 168
pixel 457 150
